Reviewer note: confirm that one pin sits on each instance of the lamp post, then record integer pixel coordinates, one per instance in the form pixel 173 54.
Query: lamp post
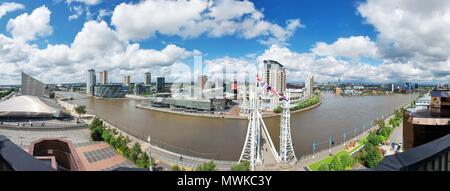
pixel 150 153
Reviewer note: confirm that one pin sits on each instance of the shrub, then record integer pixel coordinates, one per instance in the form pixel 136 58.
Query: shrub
pixel 242 166
pixel 278 109
pixel 347 161
pixel 209 166
pixel 96 134
pixel 336 164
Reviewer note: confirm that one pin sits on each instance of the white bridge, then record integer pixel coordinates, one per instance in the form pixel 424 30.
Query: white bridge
pixel 257 130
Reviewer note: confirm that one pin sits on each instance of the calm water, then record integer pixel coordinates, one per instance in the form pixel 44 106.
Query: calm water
pixel 224 138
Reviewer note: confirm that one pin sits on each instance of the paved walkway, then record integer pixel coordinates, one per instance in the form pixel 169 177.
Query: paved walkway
pixel 305 161
pixel 396 137
pixel 23 137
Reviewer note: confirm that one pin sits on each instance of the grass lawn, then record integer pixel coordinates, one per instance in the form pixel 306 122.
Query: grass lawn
pixel 314 166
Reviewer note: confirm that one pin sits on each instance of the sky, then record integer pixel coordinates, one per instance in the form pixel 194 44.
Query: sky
pixel 57 41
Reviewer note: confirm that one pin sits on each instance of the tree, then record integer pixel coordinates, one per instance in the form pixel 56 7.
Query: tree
pixel 374 156
pixel 380 123
pixel 135 152
pixel 370 156
pixel 242 166
pixel 143 161
pixel 95 123
pixel 80 110
pixel 278 109
pixel 96 134
pixel 336 164
pixel 324 167
pixel 373 139
pixel 208 166
pixel 347 161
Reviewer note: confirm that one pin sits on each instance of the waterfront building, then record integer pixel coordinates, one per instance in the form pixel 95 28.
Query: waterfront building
pixel 309 86
pixel 275 74
pixel 138 89
pixel 33 87
pixel 296 95
pixel 127 80
pixel 148 78
pixel 26 106
pixel 104 77
pixel 423 126
pixel 191 105
pixel 160 83
pixel 90 82
pixel 110 91
pixel 201 82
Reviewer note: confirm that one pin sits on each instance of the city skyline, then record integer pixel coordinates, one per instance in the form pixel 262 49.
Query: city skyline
pixel 352 43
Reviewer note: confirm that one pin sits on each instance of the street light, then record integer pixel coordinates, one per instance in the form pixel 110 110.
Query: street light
pixel 150 153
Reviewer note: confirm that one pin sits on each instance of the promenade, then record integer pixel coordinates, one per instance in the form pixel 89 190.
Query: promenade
pixel 305 161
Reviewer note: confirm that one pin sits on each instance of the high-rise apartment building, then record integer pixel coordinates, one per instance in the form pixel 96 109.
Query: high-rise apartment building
pixel 160 83
pixel 148 78
pixel 90 82
pixel 104 77
pixel 201 81
pixel 127 80
pixel 309 86
pixel 275 74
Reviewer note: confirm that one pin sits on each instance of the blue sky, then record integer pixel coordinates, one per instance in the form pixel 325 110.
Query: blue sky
pixel 362 40
pixel 324 20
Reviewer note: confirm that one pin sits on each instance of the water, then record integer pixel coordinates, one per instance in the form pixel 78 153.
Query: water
pixel 223 139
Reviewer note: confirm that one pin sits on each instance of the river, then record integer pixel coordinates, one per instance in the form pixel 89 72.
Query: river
pixel 223 139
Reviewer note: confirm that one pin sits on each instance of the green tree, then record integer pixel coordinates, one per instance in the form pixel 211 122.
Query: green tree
pixel 324 167
pixel 208 166
pixel 143 161
pixel 135 152
pixel 242 166
pixel 374 139
pixel 96 134
pixel 80 110
pixel 95 123
pixel 380 123
pixel 336 164
pixel 370 156
pixel 278 109
pixel 347 161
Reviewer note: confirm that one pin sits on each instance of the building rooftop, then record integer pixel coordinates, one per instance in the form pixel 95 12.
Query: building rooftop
pixel 28 106
pixel 272 62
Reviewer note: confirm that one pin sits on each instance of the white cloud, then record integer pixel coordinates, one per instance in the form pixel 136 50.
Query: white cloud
pixel 414 33
pixel 352 47
pixel 95 46
pixel 103 13
pixel 411 28
pixel 87 2
pixel 190 19
pixel 27 27
pixel 9 7
pixel 77 12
